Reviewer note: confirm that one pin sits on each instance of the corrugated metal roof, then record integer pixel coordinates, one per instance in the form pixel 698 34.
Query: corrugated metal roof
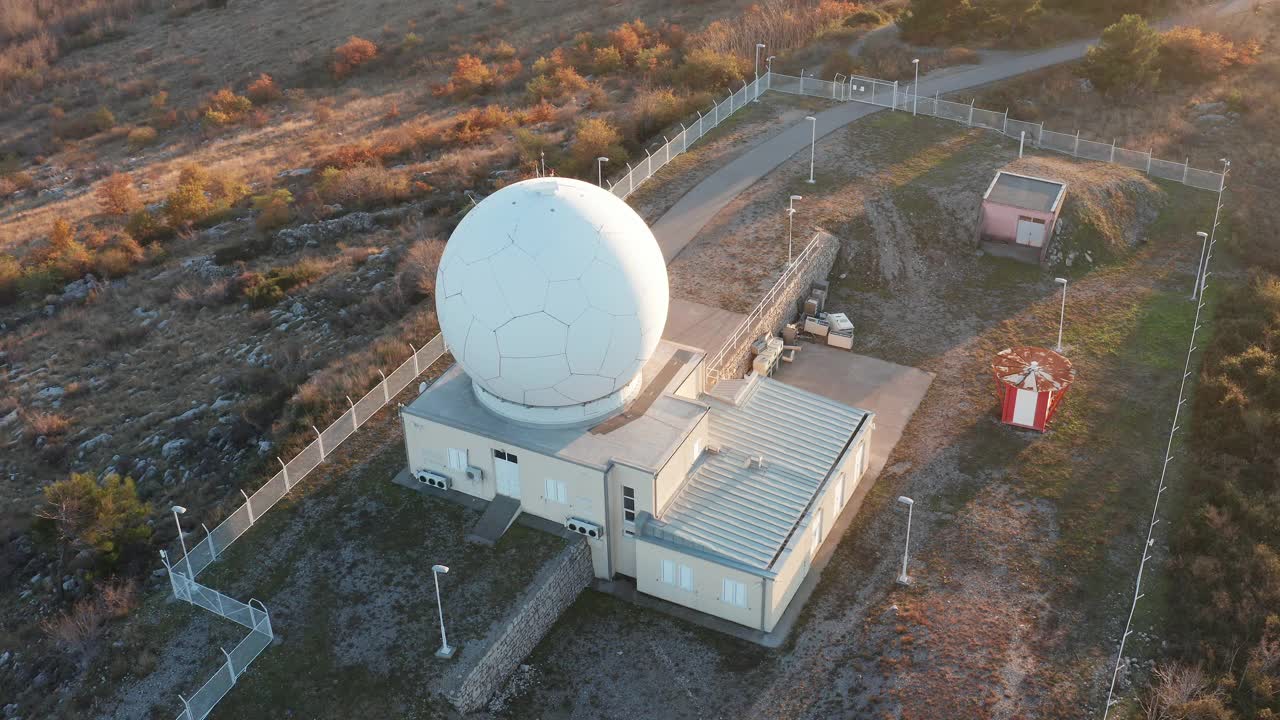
pixel 744 512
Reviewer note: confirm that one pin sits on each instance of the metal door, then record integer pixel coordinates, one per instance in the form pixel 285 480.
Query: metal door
pixel 1030 232
pixel 507 471
pixel 1024 407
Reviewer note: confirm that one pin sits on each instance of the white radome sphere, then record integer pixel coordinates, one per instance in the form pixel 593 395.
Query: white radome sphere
pixel 552 294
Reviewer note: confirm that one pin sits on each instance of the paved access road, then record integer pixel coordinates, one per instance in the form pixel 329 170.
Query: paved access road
pixel 686 218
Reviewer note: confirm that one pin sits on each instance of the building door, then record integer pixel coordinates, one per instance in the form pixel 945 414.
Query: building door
pixel 859 462
pixel 506 469
pixel 1024 407
pixel 1030 232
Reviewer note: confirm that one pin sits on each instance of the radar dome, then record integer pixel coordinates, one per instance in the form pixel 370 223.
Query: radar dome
pixel 552 294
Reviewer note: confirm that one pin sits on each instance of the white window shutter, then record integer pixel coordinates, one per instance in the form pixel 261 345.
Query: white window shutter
pixel 549 489
pixel 668 572
pixel 726 590
pixel 562 493
pixel 686 577
pixel 740 596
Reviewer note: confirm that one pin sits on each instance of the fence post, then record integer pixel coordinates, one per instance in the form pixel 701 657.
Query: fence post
pixel 320 440
pixel 715 107
pixel 355 421
pixel 416 371
pixel 699 123
pixel 285 469
pixel 668 141
pixel 631 179
pixel 249 504
pixel 1040 136
pixel 730 102
pixel 1149 160
pixel 1075 149
pixel 186 709
pixel 684 142
pixel 970 112
pixel 386 393
pixel 1004 129
pixel 230 666
pixel 895 94
pixel 208 536
pixel 801 81
pixel 1113 149
pixel 1185 166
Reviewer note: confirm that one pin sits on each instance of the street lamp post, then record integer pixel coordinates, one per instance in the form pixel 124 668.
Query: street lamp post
pixel 759 47
pixel 905 579
pixel 446 651
pixel 813 142
pixel 791 214
pixel 1197 287
pixel 600 161
pixel 179 510
pixel 1062 314
pixel 915 88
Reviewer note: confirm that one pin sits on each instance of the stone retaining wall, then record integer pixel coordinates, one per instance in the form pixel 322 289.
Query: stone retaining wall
pixel 509 641
pixel 786 305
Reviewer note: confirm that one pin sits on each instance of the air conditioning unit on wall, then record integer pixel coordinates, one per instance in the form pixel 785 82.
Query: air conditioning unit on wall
pixel 435 480
pixel 474 474
pixel 582 527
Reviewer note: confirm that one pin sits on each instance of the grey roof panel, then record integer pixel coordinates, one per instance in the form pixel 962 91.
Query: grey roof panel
pixel 744 513
pixel 1022 191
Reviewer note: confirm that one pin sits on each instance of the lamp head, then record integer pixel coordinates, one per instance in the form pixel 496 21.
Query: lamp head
pixel 1060 281
pixel 760 45
pixel 442 569
pixel 811 118
pixel 179 509
pixel 906 500
pixel 602 159
pixel 916 61
pixel 1202 234
pixel 797 197
pixel 771 57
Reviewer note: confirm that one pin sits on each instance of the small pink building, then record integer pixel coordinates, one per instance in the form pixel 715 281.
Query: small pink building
pixel 1021 210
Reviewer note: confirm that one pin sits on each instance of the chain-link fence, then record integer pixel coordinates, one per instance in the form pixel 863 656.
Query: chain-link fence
pixel 237 523
pixel 182 573
pixel 252 615
pixel 887 94
pixel 690 133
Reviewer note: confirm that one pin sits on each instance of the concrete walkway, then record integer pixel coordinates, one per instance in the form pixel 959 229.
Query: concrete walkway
pixel 677 228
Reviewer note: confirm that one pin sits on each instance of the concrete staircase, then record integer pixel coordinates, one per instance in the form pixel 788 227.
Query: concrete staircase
pixel 502 511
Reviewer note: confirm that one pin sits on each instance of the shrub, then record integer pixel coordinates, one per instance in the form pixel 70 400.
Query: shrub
pixel 595 137
pixel 706 69
pixel 187 205
pixel 470 77
pixel 865 16
pixel 263 90
pixel 46 424
pixel 226 108
pixel 417 273
pixel 117 195
pixel 83 126
pixel 606 60
pixel 559 84
pixel 478 123
pixel 79 514
pixel 146 228
pixel 274 209
pixel 410 42
pixel 1125 59
pixel 363 186
pixel 141 137
pixel 348 156
pixel 1189 54
pixel 351 55
pixel 653 110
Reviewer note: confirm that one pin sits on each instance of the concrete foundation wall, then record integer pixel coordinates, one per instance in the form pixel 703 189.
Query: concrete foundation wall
pixel 510 641
pixel 785 306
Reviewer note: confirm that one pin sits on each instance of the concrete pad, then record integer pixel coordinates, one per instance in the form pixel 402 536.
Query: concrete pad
pixel 700 326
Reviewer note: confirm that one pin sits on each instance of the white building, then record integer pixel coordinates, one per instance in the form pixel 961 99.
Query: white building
pixel 566 403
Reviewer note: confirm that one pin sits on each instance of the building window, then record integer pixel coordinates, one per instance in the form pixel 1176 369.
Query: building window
pixel 686 578
pixel 555 491
pixel 457 459
pixel 668 572
pixel 816 538
pixel 734 593
pixel 673 574
pixel 629 510
pixel 504 455
pixel 840 491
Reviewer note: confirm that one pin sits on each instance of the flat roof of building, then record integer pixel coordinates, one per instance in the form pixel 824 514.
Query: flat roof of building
pixel 743 512
pixel 646 435
pixel 1024 191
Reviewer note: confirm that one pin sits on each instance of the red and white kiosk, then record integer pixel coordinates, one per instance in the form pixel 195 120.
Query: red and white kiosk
pixel 1030 384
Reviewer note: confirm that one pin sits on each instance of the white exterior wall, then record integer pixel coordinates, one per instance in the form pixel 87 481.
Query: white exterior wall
pixel 708 582
pixel 624 560
pixel 673 475
pixel 793 564
pixel 427 444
